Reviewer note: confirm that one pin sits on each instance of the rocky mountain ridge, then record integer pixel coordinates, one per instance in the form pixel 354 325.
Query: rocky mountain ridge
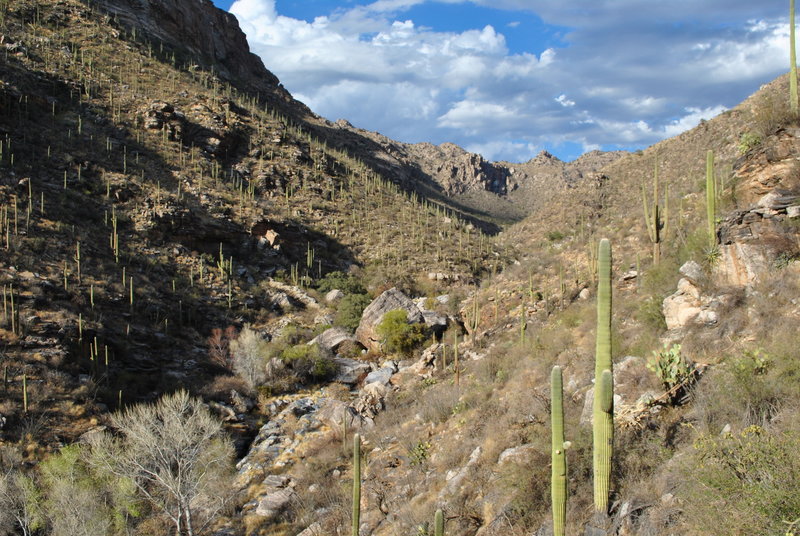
pixel 445 173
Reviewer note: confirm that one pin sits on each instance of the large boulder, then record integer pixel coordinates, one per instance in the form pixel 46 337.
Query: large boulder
pixel 350 371
pixel 331 339
pixel 390 300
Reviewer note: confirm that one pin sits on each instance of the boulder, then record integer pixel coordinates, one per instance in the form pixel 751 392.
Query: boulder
pixel 741 264
pixel 334 296
pixel 692 271
pixel 390 300
pixel 275 502
pixel 435 321
pixel 331 339
pixel 455 478
pixel 381 376
pixel 334 413
pixel 315 529
pixel 688 305
pixel 370 402
pixel 682 307
pixel 350 371
pixel 520 454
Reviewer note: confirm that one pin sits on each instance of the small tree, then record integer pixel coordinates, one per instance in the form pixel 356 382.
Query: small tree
pixel 219 346
pixel 398 335
pixel 249 357
pixel 176 455
pixel 78 501
pixel 307 362
pixel 20 500
pixel 352 306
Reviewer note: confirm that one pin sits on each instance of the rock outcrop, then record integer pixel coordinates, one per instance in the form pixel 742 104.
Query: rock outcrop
pixel 390 300
pixel 763 235
pixel 689 305
pixel 209 35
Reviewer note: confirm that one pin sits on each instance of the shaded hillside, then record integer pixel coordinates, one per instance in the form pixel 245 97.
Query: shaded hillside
pixel 146 200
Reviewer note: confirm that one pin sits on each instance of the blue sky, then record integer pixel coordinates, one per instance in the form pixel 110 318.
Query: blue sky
pixel 509 78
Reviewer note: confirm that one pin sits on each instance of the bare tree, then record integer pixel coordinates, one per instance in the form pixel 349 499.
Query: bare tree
pixel 249 356
pixel 176 454
pixel 219 346
pixel 19 499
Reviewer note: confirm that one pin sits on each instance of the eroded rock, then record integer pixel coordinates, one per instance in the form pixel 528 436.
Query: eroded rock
pixel 390 300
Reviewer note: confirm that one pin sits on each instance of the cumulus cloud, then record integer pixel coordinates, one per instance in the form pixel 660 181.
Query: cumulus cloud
pixel 624 75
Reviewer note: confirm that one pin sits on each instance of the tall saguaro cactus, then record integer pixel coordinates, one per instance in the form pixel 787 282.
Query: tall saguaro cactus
pixel 603 415
pixel 558 482
pixel 792 61
pixel 356 483
pixel 711 199
pixel 656 221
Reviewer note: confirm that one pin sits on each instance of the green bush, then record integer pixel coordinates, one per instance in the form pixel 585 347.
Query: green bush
pixel 350 309
pixel 747 141
pixel 308 363
pixel 398 335
pixel 347 283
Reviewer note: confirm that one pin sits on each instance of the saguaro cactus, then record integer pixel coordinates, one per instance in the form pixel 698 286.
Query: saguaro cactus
pixel 792 61
pixel 603 425
pixel 711 199
pixel 438 523
pixel 656 222
pixel 25 393
pixel 558 483
pixel 356 483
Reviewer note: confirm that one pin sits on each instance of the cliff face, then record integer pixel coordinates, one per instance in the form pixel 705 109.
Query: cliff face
pixel 205 33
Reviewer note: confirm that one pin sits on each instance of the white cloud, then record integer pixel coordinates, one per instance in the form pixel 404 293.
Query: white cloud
pixel 564 101
pixel 509 151
pixel 690 120
pixel 472 115
pixel 627 75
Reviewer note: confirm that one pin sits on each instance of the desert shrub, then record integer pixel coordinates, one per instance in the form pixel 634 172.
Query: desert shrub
pixel 398 335
pixel 744 483
pixel 308 363
pixel 748 141
pixel 347 283
pixel 220 387
pixel 75 499
pixel 523 481
pixel 650 313
pixel 771 112
pixel 751 389
pixel 352 306
pixel 290 335
pixel 439 403
pixel 248 354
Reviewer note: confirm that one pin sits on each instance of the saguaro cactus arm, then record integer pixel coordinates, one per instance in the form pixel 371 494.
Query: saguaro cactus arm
pixel 558 482
pixel 711 199
pixel 356 483
pixel 792 61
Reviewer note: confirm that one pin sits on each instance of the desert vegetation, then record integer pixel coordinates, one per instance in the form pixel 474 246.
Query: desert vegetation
pixel 186 261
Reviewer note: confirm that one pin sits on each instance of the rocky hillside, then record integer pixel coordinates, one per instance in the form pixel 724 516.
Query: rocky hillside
pixel 170 218
pixel 498 192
